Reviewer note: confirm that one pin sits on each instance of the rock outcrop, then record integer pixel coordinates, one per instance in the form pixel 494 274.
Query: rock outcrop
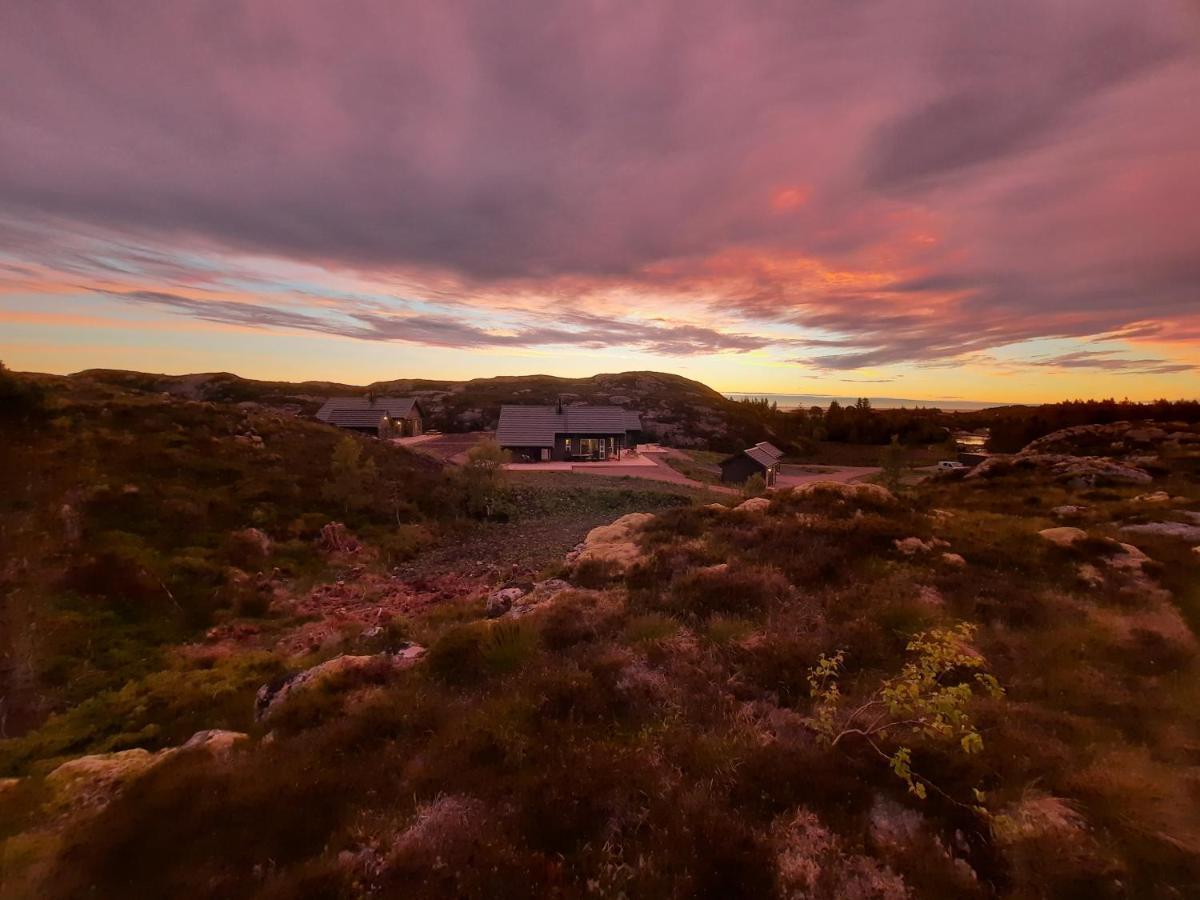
pixel 514 602
pixel 94 780
pixel 1079 471
pixel 754 505
pixel 1180 530
pixel 614 545
pixel 1063 536
pixel 848 490
pixel 271 697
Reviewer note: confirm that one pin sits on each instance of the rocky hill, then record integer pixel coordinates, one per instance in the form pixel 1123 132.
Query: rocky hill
pixel 979 686
pixel 675 410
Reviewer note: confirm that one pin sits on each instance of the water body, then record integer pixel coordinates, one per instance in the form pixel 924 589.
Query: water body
pixel 804 401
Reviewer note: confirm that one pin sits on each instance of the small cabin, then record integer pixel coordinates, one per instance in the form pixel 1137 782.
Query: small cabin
pixel 381 416
pixel 762 459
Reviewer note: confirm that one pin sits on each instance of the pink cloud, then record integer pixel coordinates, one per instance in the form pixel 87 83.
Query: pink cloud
pixel 916 181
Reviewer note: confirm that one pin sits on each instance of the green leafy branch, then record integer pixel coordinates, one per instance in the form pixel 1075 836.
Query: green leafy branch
pixel 928 699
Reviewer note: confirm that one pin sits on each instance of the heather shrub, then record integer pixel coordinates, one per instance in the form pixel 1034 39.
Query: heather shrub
pixel 725 589
pixel 776 664
pixel 400 543
pixel 650 628
pixel 574 618
pixel 754 486
pixel 466 654
pixel 595 573
pixel 322 701
pixel 123 571
pixel 722 629
pixel 456 657
pixel 508 645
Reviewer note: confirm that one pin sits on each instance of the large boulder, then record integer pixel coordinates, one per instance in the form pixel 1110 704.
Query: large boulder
pixel 1180 530
pixel 543 592
pixel 1063 536
pixel 92 781
pixel 216 741
pixel 1098 440
pixel 613 545
pixel 1080 471
pixel 501 601
pixel 271 697
pixel 754 505
pixel 847 490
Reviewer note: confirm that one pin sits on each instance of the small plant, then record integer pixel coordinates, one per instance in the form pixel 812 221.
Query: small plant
pixel 649 628
pixel 484 479
pixel 892 464
pixel 755 486
pixel 724 630
pixel 508 645
pixel 352 482
pixel 924 701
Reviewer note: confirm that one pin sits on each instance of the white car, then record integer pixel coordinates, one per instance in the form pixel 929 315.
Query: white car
pixel 951 464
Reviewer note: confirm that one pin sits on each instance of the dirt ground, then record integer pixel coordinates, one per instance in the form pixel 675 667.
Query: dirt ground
pixel 450 448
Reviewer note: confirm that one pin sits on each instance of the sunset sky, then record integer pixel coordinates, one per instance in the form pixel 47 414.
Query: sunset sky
pixel 954 199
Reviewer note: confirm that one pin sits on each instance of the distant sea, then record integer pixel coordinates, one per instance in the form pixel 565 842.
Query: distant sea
pixel 804 401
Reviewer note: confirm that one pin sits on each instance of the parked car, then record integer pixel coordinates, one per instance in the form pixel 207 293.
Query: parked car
pixel 950 464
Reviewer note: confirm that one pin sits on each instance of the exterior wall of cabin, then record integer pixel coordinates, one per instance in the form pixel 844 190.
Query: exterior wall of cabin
pixel 614 446
pixel 739 468
pixel 567 446
pixel 528 454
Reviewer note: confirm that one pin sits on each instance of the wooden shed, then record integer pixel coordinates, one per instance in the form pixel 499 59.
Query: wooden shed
pixel 762 458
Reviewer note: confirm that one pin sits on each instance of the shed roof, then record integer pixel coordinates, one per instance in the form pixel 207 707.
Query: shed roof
pixel 769 449
pixel 363 412
pixel 763 453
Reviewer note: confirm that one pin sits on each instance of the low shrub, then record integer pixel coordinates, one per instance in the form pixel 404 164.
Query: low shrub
pixel 595 573
pixel 466 654
pixel 722 630
pixel 650 628
pixel 725 589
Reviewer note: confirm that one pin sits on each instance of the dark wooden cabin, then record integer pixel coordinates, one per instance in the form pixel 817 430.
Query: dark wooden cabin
pixel 762 458
pixel 383 416
pixel 566 433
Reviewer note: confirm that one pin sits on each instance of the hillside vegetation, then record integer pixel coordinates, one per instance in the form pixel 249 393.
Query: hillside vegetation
pixel 675 410
pixel 227 680
pixel 132 524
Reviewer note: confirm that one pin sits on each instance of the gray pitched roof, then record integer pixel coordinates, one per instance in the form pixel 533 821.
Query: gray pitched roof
pixel 536 426
pixel 763 453
pixel 528 426
pixel 594 420
pixel 633 421
pixel 769 449
pixel 761 456
pixel 362 412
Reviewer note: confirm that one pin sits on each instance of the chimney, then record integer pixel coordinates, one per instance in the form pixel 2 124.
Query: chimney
pixel 558 406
